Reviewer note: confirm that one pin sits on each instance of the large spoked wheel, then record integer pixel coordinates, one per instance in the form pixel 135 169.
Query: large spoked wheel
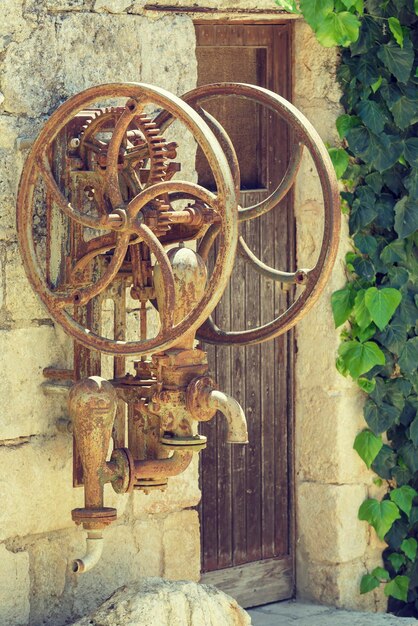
pixel 126 221
pixel 305 137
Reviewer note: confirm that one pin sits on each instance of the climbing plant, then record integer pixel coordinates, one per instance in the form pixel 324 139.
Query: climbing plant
pixel 378 307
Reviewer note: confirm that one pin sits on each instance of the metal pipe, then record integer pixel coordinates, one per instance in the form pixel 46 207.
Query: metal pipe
pixel 235 416
pixel 163 468
pixel 94 551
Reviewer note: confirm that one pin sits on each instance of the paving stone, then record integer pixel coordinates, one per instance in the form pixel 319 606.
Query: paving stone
pixel 298 614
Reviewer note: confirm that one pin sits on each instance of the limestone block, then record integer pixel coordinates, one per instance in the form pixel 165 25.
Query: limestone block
pixel 25 353
pixel 337 585
pixel 39 498
pixel 21 302
pixel 315 68
pixel 112 6
pixel 36 487
pixel 182 492
pixel 49 558
pixel 181 541
pixel 328 528
pixel 328 423
pixel 68 5
pixel 31 82
pixel 120 564
pixel 322 118
pixel 9 176
pixel 14 587
pixel 172 67
pixel 156 601
pixel 13 26
pixel 148 534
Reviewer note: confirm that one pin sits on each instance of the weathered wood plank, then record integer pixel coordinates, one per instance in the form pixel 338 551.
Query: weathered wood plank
pixel 255 583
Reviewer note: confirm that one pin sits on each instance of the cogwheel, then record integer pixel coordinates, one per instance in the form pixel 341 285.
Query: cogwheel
pixel 143 154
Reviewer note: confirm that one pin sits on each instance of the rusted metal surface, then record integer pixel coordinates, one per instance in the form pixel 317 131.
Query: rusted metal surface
pixel 106 176
pixel 305 137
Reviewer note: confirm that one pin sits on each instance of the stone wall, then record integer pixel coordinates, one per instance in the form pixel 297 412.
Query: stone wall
pixel 49 50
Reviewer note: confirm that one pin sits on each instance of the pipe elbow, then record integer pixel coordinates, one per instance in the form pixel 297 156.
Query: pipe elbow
pixel 234 414
pixel 93 553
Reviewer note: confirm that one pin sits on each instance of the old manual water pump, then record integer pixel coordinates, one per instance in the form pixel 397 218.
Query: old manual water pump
pixel 119 256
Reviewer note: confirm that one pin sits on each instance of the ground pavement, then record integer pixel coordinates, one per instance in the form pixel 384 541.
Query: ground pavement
pixel 298 614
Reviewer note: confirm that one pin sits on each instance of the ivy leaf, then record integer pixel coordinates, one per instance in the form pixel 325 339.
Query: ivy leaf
pixel 368 583
pixel 380 515
pixel 367 71
pixel 375 181
pixel 380 417
pixel 411 182
pixel 385 210
pixel 361 216
pixel 382 303
pixel 398 588
pixel 376 85
pixel 409 547
pixel 370 33
pixel 345 122
pixel 398 276
pixel 403 498
pixel 411 150
pixel 381 573
pixel 366 385
pixel 361 312
pixel 416 7
pixel 399 61
pixel 393 252
pixel 364 268
pixel 340 160
pixel 413 431
pixel 384 151
pixel 314 11
pixel 358 139
pixel 384 462
pixel 372 115
pixel 342 303
pixel 338 29
pixel 409 356
pixel 358 5
pixel 396 30
pixel 406 217
pixel 402 104
pixel 396 560
pixel 359 358
pixel 367 446
pixel 394 336
pixel 367 244
pixel 409 454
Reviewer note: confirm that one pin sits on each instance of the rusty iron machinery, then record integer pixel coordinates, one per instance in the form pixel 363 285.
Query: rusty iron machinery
pixel 103 216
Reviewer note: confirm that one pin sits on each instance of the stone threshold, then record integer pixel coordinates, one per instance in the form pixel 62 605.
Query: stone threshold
pixel 293 613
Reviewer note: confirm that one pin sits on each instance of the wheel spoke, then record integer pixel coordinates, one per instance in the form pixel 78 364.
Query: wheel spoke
pixel 300 277
pixel 98 223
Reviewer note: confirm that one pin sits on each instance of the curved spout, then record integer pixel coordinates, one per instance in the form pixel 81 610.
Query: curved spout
pixel 93 553
pixel 235 416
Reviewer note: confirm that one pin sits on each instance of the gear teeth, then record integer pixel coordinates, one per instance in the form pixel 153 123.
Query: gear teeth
pixel 157 144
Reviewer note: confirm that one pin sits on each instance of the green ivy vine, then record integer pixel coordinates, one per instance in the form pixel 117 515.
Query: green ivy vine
pixel 378 307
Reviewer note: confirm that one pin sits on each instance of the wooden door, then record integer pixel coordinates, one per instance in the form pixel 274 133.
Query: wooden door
pixel 247 502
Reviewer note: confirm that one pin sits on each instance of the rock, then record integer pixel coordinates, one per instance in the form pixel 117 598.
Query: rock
pixel 156 601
